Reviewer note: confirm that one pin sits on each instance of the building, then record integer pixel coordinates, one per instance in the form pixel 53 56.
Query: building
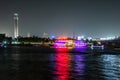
pixel 45 35
pixel 15 25
pixel 2 37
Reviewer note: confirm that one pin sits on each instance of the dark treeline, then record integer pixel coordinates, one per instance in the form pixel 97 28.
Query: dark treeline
pixel 34 39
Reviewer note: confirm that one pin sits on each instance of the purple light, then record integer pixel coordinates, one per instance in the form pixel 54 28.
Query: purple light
pixel 79 67
pixel 60 43
pixel 52 37
pixel 80 43
pixel 64 43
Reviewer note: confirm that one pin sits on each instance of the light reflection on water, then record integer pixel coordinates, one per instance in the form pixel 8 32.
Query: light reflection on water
pixel 82 49
pixel 19 64
pixel 79 65
pixel 62 64
pixel 68 66
pixel 111 66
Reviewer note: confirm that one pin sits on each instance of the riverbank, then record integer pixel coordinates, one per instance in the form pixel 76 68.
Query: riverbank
pixel 48 49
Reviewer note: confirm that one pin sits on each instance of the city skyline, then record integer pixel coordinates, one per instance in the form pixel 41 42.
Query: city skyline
pixel 62 17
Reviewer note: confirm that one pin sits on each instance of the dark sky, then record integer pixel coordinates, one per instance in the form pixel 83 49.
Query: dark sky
pixel 94 18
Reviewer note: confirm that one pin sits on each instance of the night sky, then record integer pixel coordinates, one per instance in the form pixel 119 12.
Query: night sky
pixel 93 18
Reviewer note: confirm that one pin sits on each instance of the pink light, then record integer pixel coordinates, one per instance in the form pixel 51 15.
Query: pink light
pixel 60 43
pixel 63 43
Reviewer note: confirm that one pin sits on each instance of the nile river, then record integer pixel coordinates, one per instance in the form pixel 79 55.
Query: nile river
pixel 35 63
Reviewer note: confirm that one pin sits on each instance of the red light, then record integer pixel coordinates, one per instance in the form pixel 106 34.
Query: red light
pixel 62 38
pixel 62 49
pixel 62 66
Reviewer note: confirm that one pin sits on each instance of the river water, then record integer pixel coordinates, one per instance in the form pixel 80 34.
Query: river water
pixel 33 63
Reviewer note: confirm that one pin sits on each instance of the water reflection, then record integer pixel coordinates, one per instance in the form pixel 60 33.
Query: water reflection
pixel 33 64
pixel 68 66
pixel 3 56
pixel 82 49
pixel 111 67
pixel 62 67
pixel 79 65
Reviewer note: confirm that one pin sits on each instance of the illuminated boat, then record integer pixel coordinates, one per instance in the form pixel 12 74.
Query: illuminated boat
pixel 97 47
pixel 79 44
pixel 62 43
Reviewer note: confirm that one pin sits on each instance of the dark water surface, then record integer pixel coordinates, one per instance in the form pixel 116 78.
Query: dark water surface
pixel 32 63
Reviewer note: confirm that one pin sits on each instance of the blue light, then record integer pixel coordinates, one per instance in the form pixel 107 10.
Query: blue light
pixel 52 37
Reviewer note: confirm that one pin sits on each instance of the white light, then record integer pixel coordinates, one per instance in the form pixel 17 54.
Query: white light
pixel 80 37
pixel 108 38
pixel 16 14
pixel 89 38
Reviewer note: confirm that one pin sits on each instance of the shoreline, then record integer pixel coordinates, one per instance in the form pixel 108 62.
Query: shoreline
pixel 47 49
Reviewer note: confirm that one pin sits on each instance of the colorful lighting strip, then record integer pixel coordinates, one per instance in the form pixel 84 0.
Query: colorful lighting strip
pixel 64 43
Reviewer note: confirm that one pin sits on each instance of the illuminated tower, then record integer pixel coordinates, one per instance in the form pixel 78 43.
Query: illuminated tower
pixel 28 34
pixel 15 25
pixel 45 35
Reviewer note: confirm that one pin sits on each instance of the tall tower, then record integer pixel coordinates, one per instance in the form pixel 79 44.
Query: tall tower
pixel 15 25
pixel 45 35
